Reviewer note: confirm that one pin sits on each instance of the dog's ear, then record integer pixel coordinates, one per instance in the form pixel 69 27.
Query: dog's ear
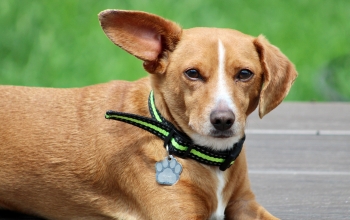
pixel 279 75
pixel 146 36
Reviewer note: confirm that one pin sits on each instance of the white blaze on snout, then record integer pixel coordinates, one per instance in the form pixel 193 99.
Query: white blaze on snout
pixel 222 93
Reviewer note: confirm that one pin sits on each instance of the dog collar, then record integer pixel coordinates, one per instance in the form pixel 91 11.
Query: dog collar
pixel 176 142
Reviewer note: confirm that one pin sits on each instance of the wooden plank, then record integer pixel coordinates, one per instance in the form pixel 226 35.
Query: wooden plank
pixel 304 116
pixel 298 153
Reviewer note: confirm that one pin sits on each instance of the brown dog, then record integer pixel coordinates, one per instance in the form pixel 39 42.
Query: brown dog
pixel 61 159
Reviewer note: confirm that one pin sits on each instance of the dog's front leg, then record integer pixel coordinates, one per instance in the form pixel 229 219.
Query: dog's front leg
pixel 241 203
pixel 247 209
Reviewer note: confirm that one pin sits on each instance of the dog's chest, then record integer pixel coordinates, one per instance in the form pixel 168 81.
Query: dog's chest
pixel 219 213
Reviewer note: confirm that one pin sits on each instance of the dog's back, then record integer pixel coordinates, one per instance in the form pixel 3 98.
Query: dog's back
pixel 54 141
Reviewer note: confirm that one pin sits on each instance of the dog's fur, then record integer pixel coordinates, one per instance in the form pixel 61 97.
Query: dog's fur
pixel 61 159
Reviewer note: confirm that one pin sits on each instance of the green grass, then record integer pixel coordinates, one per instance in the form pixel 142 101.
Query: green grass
pixel 59 43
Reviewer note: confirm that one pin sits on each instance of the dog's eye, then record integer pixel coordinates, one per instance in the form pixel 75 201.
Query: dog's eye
pixel 193 74
pixel 244 75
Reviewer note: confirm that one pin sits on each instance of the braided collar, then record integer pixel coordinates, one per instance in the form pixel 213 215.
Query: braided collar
pixel 177 142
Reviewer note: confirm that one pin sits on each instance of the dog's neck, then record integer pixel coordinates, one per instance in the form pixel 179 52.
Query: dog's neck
pixel 163 110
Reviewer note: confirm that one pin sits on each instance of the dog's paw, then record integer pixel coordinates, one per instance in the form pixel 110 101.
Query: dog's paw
pixel 168 171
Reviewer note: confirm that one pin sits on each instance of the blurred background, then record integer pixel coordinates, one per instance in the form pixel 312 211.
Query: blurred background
pixel 59 43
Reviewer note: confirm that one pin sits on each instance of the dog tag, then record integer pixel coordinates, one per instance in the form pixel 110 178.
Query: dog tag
pixel 168 171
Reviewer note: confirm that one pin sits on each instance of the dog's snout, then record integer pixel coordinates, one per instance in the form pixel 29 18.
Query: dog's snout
pixel 222 119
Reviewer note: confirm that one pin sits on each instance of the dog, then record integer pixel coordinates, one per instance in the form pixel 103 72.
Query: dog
pixel 174 150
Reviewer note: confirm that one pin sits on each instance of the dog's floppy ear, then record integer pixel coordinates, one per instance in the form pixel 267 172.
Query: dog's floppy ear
pixel 146 36
pixel 279 75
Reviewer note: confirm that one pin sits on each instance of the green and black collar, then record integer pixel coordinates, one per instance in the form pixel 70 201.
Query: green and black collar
pixel 178 143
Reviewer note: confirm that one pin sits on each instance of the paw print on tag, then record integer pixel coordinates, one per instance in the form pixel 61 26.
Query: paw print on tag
pixel 168 171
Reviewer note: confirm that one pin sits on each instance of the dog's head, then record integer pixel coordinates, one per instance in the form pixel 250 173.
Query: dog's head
pixel 207 80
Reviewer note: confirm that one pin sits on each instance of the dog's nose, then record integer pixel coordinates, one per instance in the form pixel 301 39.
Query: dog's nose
pixel 222 119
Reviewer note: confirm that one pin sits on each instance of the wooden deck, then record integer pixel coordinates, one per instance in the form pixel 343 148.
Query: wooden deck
pixel 299 161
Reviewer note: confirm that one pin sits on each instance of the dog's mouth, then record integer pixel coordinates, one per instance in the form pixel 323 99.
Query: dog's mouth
pixel 221 134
